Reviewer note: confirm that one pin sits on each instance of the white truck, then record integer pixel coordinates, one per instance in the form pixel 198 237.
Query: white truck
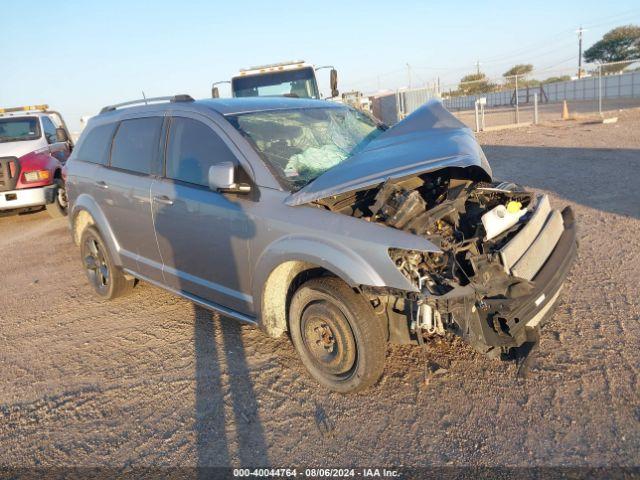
pixel 289 79
pixel 34 147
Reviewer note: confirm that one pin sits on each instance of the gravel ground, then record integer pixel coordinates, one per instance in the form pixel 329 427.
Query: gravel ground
pixel 151 380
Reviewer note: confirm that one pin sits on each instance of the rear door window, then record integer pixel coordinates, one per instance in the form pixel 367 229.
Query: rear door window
pixel 193 147
pixel 95 147
pixel 135 146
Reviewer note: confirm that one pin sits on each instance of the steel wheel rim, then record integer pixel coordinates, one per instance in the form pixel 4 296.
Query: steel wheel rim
pixel 328 339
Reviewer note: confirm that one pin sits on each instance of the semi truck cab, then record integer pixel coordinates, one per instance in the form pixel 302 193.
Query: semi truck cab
pixel 287 79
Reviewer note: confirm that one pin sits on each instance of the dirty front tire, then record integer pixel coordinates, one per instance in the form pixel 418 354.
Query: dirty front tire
pixel 58 208
pixel 338 336
pixel 107 279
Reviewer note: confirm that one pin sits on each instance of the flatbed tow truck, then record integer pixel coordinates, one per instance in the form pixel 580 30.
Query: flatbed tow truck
pixel 34 147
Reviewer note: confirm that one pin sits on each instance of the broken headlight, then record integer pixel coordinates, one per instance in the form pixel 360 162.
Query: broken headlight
pixel 422 269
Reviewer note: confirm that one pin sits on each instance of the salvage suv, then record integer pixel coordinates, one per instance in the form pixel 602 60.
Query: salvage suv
pixel 308 217
pixel 34 146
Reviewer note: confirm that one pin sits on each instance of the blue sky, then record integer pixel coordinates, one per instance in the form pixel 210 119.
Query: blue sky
pixel 81 55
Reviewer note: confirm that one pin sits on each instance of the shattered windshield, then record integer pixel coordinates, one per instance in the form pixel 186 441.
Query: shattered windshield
pixel 302 144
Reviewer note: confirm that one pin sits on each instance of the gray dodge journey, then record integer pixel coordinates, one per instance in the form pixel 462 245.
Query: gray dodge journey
pixel 309 217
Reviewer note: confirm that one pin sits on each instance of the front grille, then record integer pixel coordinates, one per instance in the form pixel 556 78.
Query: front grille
pixel 9 173
pixel 525 254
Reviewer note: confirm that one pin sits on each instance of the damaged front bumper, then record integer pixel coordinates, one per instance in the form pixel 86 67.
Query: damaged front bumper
pixel 494 292
pixel 496 325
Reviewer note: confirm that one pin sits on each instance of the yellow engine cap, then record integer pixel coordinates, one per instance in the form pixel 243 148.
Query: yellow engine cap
pixel 514 207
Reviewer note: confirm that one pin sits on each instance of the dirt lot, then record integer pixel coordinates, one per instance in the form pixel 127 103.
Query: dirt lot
pixel 149 380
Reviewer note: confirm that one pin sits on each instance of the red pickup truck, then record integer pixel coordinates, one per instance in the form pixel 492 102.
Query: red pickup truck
pixel 34 146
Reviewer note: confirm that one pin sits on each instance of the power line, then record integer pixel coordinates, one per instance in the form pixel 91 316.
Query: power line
pixel 619 16
pixel 377 77
pixel 507 57
pixel 533 46
pixel 551 67
pixel 541 51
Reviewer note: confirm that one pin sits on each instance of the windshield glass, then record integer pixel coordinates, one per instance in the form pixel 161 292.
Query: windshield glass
pixel 292 83
pixel 300 145
pixel 15 129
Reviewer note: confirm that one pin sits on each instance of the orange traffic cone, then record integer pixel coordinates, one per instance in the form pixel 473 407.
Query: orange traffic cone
pixel 565 110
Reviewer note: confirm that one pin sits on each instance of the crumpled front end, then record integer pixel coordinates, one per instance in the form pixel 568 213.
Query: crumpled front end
pixel 505 309
pixel 504 255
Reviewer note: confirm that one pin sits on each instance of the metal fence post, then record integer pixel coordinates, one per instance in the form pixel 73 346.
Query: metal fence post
pixel 477 119
pixel 398 106
pixel 600 89
pixel 535 108
pixel 517 103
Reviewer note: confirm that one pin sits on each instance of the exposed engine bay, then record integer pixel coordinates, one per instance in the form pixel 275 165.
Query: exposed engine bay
pixel 472 287
pixel 447 211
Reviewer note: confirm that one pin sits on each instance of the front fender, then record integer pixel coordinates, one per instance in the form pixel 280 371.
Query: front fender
pixel 377 270
pixel 345 263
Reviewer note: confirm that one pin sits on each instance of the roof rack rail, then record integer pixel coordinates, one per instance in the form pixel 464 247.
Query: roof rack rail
pixel 172 99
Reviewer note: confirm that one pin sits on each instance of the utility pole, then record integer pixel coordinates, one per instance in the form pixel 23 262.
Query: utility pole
pixel 478 66
pixel 580 32
pixel 409 74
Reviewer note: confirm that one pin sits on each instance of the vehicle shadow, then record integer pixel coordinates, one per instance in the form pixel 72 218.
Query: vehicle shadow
pixel 204 239
pixel 21 213
pixel 602 178
pixel 223 377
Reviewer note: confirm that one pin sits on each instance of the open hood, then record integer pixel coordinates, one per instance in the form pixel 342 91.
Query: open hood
pixel 429 139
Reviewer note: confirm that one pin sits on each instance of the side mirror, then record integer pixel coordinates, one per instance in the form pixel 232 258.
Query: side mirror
pixel 222 179
pixel 215 93
pixel 61 135
pixel 333 81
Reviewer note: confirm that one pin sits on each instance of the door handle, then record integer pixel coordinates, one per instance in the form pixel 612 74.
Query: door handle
pixel 101 184
pixel 163 199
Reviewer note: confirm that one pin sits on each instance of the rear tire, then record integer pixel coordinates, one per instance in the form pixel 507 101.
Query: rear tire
pixel 107 279
pixel 339 338
pixel 58 208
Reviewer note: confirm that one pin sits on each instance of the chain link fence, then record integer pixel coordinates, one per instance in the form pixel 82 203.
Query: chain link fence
pixel 520 99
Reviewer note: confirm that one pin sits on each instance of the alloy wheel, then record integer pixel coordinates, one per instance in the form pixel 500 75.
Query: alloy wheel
pixel 96 265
